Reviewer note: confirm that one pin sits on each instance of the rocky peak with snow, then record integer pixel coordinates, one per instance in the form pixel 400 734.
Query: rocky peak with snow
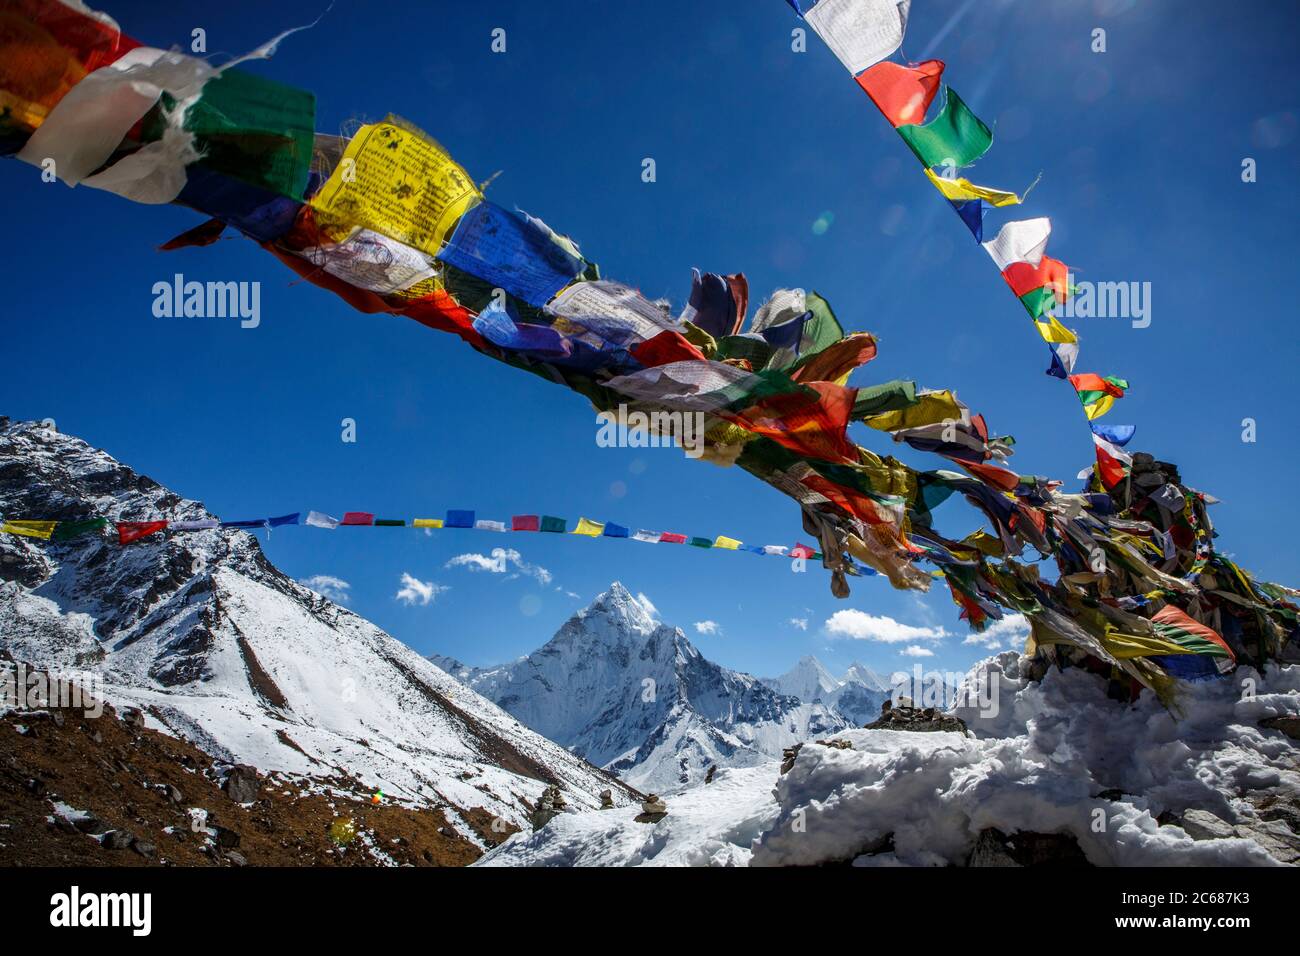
pixel 216 645
pixel 634 695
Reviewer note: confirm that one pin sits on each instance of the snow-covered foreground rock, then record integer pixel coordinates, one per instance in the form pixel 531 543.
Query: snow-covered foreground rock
pixel 1058 757
pixel 217 646
pixel 711 825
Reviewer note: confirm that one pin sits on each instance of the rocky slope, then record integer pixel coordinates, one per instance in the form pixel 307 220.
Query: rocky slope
pixel 217 646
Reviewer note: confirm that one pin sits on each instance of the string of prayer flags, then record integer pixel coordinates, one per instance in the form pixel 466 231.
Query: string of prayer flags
pixel 860 33
pixel 902 93
pixel 955 138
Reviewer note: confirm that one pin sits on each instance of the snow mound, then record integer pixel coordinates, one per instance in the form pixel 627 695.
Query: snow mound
pixel 1042 761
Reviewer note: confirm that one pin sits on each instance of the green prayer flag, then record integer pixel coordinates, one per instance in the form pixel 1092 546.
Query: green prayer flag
pixel 885 397
pixel 1039 301
pixel 822 329
pixel 249 128
pixel 389 523
pixel 701 542
pixel 554 525
pixel 955 137
pixel 72 529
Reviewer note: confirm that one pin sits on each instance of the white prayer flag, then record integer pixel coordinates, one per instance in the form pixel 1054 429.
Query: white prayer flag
pixel 860 33
pixel 318 520
pixel 193 525
pixel 482 524
pixel 650 537
pixel 1024 240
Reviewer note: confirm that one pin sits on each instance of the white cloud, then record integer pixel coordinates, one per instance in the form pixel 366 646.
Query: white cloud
pixel 328 586
pixel 708 627
pixel 646 603
pixel 861 626
pixel 414 591
pixel 916 650
pixel 800 622
pixel 1013 629
pixel 500 561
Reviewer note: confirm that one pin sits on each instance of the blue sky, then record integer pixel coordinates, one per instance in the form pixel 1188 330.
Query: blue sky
pixel 1140 149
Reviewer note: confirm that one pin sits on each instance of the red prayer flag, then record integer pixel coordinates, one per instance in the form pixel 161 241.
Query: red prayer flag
pixel 1110 468
pixel 128 531
pixel 525 523
pixel 811 421
pixel 1024 277
pixel 669 537
pixel 801 551
pixel 1092 382
pixel 992 475
pixel 357 518
pixel 667 346
pixel 902 93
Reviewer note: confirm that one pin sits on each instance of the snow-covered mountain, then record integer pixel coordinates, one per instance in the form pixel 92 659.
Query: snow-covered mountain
pixel 856 697
pixel 216 645
pixel 634 696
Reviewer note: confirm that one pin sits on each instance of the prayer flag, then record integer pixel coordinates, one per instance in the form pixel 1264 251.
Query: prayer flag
pixel 553 525
pixel 730 544
pixel 128 531
pixel 1023 240
pixel 357 518
pixel 459 519
pixel 671 537
pixel 649 537
pixel 483 524
pixel 902 93
pixel 71 529
pixel 860 33
pixel 956 137
pixel 958 189
pixel 427 523
pixel 524 523
pixel 30 529
pixel 591 529
pixel 700 543
pixel 615 530
pixel 317 519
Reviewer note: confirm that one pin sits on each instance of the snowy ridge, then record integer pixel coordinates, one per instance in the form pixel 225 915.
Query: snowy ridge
pixel 636 697
pixel 855 698
pixel 216 645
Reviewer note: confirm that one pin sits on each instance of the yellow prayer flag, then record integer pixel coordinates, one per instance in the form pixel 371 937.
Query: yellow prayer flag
pixel 30 529
pixel 592 529
pixel 427 523
pixel 731 544
pixel 1053 331
pixel 931 408
pixel 963 190
pixel 399 183
pixel 1100 407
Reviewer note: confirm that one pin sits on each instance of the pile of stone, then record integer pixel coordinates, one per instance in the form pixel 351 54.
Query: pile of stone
pixel 903 716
